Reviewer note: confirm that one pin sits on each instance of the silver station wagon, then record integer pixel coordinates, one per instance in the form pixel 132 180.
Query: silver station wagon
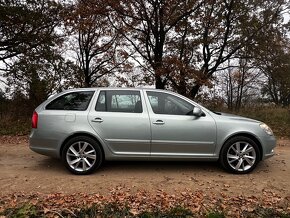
pixel 86 126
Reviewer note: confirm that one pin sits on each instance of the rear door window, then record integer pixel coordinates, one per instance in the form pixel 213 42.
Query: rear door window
pixel 78 101
pixel 119 101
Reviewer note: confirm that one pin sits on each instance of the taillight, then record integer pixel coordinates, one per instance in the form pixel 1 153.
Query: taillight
pixel 34 120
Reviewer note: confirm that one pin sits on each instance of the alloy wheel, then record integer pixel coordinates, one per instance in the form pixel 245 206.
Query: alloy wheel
pixel 81 156
pixel 241 156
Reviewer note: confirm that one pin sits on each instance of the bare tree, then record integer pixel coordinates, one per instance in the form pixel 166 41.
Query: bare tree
pixel 224 28
pixel 94 41
pixel 240 84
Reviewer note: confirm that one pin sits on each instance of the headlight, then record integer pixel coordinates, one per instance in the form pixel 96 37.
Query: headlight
pixel 266 128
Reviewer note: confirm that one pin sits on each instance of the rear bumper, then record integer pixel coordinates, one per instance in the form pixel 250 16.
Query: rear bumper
pixel 44 146
pixel 44 151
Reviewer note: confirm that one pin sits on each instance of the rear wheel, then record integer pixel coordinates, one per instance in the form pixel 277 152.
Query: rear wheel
pixel 240 155
pixel 82 155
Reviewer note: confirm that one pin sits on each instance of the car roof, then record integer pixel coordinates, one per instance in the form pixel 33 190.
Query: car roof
pixel 114 88
pixel 110 88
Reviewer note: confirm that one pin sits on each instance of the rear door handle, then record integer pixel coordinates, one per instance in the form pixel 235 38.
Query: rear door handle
pixel 159 122
pixel 97 120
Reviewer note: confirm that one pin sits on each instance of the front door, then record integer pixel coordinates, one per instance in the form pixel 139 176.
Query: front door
pixel 121 119
pixel 175 131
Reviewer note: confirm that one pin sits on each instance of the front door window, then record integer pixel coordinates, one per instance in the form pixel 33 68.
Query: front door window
pixel 163 103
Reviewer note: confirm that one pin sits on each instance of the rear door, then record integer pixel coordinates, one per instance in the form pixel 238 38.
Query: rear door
pixel 121 119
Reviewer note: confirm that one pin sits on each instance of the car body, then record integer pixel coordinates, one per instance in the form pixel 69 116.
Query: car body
pixel 85 126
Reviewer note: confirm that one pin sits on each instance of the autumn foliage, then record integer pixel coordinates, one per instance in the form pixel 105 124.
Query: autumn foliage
pixel 120 203
pixel 236 49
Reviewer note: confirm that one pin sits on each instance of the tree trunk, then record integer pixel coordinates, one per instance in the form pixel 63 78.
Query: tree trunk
pixel 240 91
pixel 159 84
pixel 194 91
pixel 182 88
pixel 87 81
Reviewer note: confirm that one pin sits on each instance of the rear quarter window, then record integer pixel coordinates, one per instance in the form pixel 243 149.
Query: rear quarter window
pixel 78 101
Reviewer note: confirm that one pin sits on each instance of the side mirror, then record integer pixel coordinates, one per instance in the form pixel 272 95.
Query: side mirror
pixel 197 112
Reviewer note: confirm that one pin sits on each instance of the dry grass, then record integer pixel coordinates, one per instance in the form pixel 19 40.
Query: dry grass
pixel 276 117
pixel 12 126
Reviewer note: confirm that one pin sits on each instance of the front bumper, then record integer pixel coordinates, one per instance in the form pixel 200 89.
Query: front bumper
pixel 268 144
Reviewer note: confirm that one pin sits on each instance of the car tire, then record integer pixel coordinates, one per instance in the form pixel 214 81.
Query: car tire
pixel 240 155
pixel 82 155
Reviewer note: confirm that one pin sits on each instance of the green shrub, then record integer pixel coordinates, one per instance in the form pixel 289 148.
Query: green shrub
pixel 115 210
pixel 266 213
pixel 215 215
pixel 23 211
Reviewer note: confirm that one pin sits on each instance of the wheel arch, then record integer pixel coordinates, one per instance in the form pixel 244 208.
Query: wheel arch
pixel 248 135
pixel 82 134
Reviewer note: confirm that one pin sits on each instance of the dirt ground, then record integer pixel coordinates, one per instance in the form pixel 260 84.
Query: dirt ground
pixel 22 170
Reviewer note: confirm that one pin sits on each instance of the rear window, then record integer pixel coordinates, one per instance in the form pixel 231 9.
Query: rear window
pixel 78 101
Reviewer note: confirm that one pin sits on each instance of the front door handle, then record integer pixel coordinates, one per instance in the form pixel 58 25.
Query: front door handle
pixel 159 122
pixel 97 120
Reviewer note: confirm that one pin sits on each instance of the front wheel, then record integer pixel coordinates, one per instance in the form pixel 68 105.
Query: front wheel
pixel 240 155
pixel 82 155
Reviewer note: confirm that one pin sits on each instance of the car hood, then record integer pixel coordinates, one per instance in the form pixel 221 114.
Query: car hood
pixel 236 117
